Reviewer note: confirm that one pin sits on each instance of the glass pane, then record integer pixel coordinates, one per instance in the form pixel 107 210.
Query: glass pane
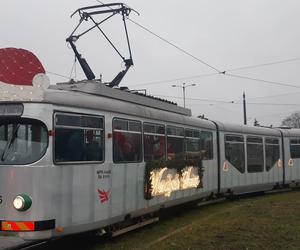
pixel 254 140
pixel 235 154
pixel 79 121
pixel 22 142
pixel 196 134
pixel 120 124
pixel 206 145
pixel 189 133
pixel 154 147
pixel 234 138
pixel 272 141
pixel 160 130
pixel 175 150
pixel 75 145
pixel 68 120
pixel 295 151
pixel 192 149
pixel 127 147
pixel 272 155
pixel 175 131
pixel 135 126
pixel 93 147
pixel 255 158
pixel 295 141
pixel 91 122
pixel 149 128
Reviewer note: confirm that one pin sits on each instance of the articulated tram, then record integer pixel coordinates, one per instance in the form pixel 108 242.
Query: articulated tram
pixel 84 156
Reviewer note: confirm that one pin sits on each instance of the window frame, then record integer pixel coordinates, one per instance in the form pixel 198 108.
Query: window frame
pixel 212 143
pixel 294 144
pixel 127 131
pixel 178 128
pixel 263 151
pixel 154 134
pixel 30 121
pixel 243 143
pixel 193 137
pixel 55 112
pixel 271 144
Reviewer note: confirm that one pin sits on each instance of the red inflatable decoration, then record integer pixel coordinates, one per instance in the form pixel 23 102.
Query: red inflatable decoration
pixel 19 66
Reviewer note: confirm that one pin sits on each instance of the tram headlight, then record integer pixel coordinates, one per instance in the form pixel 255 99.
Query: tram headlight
pixel 22 202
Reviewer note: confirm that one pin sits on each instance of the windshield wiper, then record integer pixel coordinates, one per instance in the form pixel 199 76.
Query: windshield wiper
pixel 10 142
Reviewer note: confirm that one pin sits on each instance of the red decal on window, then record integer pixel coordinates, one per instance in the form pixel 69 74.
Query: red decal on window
pixel 103 195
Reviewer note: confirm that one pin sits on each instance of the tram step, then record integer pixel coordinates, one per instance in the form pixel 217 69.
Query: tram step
pixel 135 226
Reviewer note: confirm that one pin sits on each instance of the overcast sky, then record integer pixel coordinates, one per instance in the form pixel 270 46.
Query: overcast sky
pixel 225 34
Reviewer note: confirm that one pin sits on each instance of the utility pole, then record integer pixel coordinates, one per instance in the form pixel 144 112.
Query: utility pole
pixel 183 86
pixel 244 107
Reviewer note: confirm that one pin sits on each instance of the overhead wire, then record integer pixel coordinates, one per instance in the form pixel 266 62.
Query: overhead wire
pixel 262 80
pixel 174 79
pixel 271 96
pixel 257 103
pixel 60 75
pixel 264 64
pixel 214 68
pixel 170 43
pixel 211 101
pixel 175 46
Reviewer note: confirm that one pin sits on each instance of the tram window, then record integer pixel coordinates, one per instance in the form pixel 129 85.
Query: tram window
pixel 78 121
pixel 255 155
pixel 83 143
pixel 22 141
pixel 235 151
pixel 154 142
pixel 175 143
pixel 127 141
pixel 176 131
pixel 206 145
pixel 272 152
pixel 295 148
pixel 192 144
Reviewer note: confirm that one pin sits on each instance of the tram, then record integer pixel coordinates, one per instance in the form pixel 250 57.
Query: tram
pixel 84 156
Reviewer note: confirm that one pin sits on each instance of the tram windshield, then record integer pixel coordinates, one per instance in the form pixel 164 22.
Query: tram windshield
pixel 22 141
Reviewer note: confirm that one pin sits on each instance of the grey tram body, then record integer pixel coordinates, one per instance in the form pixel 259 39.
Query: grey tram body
pixel 67 193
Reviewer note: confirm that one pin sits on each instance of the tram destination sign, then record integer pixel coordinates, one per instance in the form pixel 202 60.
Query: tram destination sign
pixel 11 109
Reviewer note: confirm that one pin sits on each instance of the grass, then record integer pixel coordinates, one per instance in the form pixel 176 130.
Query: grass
pixel 264 222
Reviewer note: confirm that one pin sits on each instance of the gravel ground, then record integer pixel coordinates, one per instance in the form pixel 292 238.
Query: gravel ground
pixel 9 241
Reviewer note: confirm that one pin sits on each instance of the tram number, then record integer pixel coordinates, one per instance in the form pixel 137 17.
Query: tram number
pixel 0 199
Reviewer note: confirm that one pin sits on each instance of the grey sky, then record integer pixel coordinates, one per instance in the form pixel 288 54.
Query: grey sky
pixel 226 34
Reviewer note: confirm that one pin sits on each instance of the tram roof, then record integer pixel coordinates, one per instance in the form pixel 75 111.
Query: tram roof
pixel 80 97
pixel 95 88
pixel 245 129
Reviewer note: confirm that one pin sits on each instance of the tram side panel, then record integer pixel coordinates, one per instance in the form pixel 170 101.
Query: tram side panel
pixel 230 176
pixel 128 178
pixel 292 156
pixel 210 170
pixel 250 163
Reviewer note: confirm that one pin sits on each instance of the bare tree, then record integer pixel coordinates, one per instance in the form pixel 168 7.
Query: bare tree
pixel 292 120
